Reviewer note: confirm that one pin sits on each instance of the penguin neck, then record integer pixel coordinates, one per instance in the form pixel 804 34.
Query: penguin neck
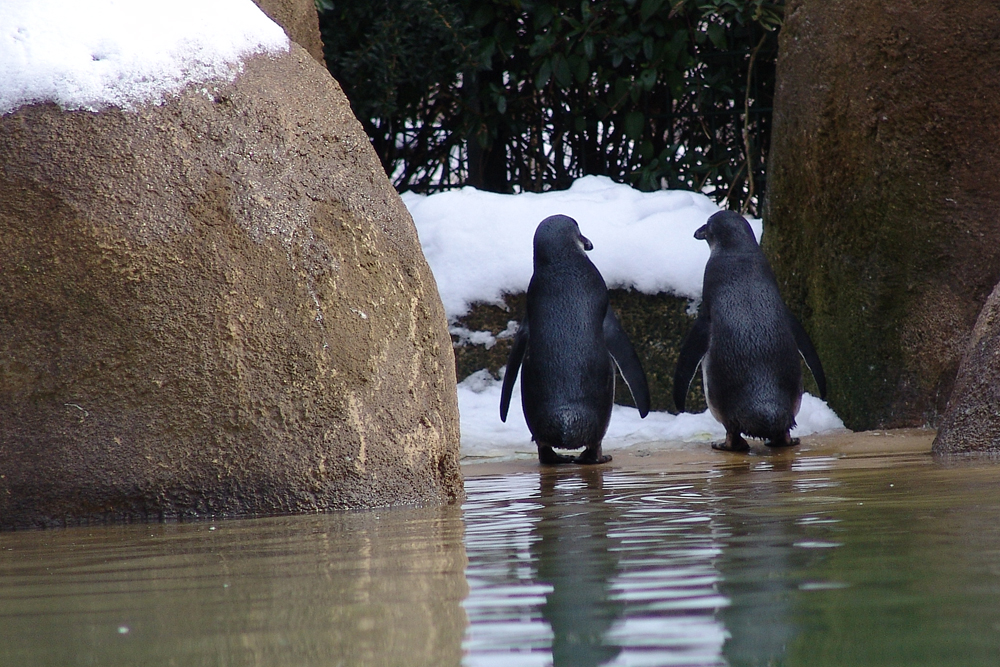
pixel 569 259
pixel 735 249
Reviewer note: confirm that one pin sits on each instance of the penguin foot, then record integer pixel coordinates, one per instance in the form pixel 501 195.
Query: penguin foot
pixel 734 443
pixel 548 456
pixel 593 456
pixel 785 441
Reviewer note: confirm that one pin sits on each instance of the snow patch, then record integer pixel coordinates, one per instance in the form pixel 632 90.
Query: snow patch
pixel 485 436
pixel 92 54
pixel 479 244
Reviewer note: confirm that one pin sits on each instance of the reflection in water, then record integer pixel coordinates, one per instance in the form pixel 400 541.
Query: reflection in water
pixel 667 574
pixel 773 559
pixel 917 572
pixel 755 562
pixel 576 557
pixel 586 566
pixel 504 597
pixel 770 559
pixel 352 588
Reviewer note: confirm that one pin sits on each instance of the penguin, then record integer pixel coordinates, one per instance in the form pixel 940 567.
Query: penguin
pixel 746 340
pixel 567 347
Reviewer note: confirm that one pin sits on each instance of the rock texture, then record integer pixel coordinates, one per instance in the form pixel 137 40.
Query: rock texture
pixel 971 422
pixel 215 306
pixel 300 21
pixel 883 217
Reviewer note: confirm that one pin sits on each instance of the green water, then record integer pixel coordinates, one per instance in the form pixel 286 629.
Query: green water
pixel 787 560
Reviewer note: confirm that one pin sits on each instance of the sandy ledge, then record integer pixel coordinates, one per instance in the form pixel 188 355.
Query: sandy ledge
pixel 698 457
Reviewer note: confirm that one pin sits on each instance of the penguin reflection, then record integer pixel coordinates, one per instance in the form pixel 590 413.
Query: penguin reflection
pixel 576 556
pixel 756 564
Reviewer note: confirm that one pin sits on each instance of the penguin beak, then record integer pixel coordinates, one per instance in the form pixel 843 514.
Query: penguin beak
pixel 585 243
pixel 702 233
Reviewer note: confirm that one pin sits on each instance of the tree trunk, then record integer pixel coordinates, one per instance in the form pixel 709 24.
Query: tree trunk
pixel 487 165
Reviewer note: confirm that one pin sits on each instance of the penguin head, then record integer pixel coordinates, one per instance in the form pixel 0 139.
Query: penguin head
pixel 558 236
pixel 727 230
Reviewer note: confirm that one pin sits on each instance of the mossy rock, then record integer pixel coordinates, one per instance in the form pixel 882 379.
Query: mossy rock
pixel 881 219
pixel 656 325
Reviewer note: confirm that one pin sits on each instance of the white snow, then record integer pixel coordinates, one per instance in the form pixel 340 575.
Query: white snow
pixel 484 436
pixel 92 54
pixel 479 246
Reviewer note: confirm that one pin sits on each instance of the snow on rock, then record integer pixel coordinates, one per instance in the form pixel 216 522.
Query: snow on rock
pixel 478 244
pixel 92 54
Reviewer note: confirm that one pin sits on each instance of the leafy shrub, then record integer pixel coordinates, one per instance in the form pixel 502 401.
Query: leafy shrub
pixel 512 95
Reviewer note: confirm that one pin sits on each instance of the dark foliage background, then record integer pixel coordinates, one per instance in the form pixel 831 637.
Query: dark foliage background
pixel 515 95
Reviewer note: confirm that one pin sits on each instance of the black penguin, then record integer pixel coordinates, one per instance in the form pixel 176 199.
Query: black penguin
pixel 746 340
pixel 568 344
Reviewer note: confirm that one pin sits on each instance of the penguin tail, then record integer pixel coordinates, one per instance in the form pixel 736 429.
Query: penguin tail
pixel 770 422
pixel 569 428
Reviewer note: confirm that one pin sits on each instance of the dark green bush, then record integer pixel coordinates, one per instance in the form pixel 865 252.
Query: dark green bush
pixel 512 95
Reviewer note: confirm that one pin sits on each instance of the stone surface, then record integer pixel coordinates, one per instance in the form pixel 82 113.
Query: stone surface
pixel 300 21
pixel 216 306
pixel 884 194
pixel 971 423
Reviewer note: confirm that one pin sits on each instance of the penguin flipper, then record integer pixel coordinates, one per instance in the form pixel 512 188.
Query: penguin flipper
pixel 627 361
pixel 513 365
pixel 693 349
pixel 808 353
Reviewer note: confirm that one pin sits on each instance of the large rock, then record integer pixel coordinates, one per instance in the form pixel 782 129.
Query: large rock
pixel 971 422
pixel 215 306
pixel 884 194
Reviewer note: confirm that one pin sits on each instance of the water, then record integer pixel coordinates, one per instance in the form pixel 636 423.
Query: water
pixel 353 588
pixel 802 558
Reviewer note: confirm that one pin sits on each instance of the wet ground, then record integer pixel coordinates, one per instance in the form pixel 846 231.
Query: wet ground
pixel 854 549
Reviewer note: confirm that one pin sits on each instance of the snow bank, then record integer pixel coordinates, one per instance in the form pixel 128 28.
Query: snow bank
pixel 485 436
pixel 478 244
pixel 91 54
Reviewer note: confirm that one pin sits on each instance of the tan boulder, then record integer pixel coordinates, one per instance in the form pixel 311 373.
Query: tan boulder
pixel 215 306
